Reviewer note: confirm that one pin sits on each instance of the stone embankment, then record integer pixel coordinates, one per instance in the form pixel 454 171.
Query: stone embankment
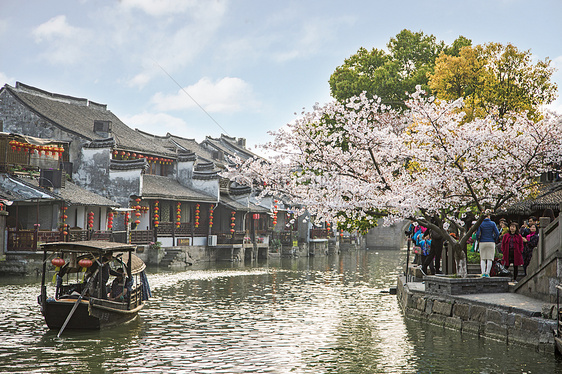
pixel 505 317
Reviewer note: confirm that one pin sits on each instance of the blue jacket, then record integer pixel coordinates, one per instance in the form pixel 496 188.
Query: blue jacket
pixel 487 232
pixel 425 246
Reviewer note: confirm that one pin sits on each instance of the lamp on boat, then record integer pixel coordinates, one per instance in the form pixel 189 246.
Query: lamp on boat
pixel 85 263
pixel 58 262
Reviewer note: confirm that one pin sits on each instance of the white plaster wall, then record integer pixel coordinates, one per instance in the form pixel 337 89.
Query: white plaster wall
pixel 208 187
pixel 127 175
pixel 185 173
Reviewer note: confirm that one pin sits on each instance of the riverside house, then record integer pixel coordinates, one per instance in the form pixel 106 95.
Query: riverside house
pixel 137 187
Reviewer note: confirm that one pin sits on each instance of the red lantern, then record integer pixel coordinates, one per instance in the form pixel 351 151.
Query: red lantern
pixel 58 262
pixel 85 263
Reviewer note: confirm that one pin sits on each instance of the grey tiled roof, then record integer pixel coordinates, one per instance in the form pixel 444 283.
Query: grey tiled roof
pixel 77 116
pixel 23 189
pixel 235 205
pixel 229 146
pixel 550 197
pixel 159 187
pixel 203 154
pixel 76 195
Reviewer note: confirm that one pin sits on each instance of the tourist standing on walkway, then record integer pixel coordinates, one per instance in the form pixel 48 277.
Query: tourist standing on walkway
pixel 427 253
pixel 530 245
pixel 437 249
pixel 486 235
pixel 512 248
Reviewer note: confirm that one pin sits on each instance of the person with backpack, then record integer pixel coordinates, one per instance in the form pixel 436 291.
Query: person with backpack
pixel 428 253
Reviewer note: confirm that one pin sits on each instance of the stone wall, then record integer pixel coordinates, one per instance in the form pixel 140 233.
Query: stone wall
pixel 541 283
pixel 470 317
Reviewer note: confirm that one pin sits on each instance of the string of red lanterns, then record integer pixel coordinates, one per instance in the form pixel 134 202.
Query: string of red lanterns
pixel 137 212
pixel 123 155
pixel 156 215
pixel 178 214
pixel 110 220
pixel 47 150
pixel 197 211
pixel 232 223
pixel 91 220
pixel 211 210
pixel 63 219
pixel 275 212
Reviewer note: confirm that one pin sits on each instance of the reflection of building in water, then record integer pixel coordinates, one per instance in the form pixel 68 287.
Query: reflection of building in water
pixel 386 237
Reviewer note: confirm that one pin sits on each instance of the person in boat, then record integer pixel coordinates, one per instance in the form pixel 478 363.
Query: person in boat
pixel 118 286
pixel 106 271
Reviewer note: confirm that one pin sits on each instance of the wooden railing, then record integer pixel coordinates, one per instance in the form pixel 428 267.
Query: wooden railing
pixel 228 238
pixel 142 236
pixel 29 240
pixel 167 229
pixel 318 234
pixel 49 236
pixel 22 240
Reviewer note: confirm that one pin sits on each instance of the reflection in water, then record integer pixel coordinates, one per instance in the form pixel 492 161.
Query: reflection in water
pixel 307 315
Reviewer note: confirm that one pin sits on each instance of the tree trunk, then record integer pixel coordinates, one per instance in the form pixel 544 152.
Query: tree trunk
pixel 460 258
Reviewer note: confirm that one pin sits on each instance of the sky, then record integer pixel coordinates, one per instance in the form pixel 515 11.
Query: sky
pixel 197 68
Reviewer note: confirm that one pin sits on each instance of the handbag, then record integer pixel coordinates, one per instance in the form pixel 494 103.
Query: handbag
pixel 417 250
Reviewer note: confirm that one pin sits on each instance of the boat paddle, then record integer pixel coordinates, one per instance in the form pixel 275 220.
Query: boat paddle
pixel 77 302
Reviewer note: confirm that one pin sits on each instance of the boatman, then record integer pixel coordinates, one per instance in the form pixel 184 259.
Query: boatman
pixel 118 289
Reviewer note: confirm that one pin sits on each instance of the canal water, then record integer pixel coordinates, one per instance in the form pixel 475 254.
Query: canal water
pixel 304 315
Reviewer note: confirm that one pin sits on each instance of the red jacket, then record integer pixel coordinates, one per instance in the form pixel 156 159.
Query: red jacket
pixel 517 252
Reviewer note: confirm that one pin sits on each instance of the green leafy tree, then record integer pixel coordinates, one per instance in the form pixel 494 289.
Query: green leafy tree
pixel 391 75
pixel 494 77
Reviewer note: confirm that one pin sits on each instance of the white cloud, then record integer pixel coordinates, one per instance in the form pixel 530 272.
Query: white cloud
pixel 226 95
pixel 156 123
pixel 5 79
pixel 159 8
pixel 3 27
pixel 286 36
pixel 64 44
pixel 140 80
pixel 174 41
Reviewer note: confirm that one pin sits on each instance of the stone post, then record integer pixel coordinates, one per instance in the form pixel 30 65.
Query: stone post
pixel 3 216
pixel 543 222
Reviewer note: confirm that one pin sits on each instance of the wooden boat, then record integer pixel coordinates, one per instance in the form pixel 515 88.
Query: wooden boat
pixel 79 297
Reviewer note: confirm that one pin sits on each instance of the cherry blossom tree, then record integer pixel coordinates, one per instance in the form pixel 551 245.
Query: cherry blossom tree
pixel 356 161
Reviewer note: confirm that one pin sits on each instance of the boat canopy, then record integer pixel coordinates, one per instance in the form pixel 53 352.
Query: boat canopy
pixel 93 249
pixel 88 246
pixel 137 265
